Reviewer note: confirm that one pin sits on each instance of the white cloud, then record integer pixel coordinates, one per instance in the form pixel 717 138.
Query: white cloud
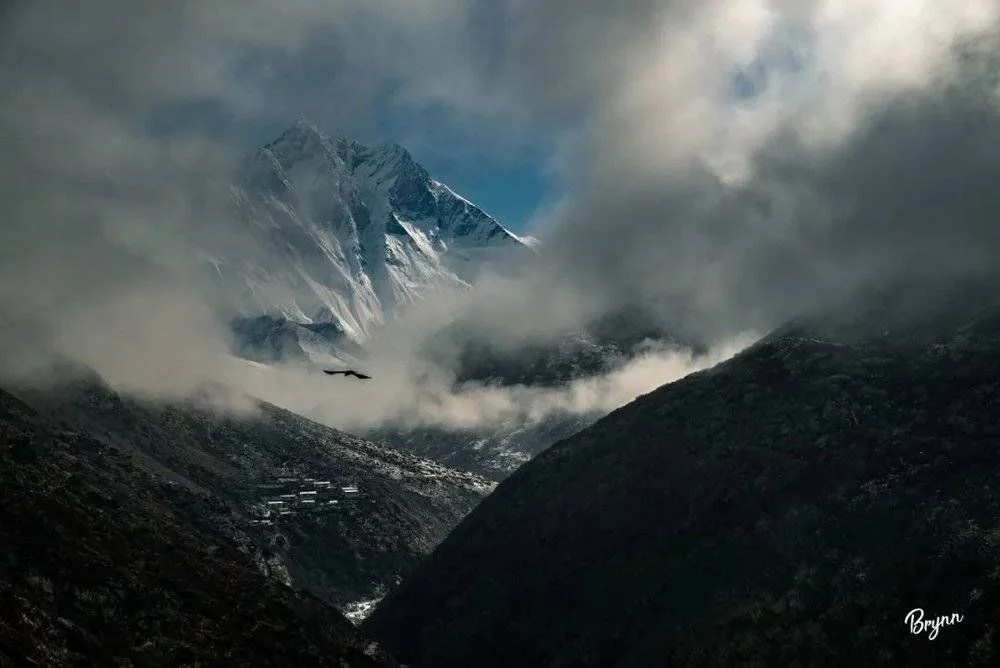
pixel 863 155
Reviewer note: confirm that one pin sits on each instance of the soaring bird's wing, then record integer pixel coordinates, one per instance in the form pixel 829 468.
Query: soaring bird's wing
pixel 346 372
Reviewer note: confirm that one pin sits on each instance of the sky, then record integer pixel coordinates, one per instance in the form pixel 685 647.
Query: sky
pixel 512 191
pixel 722 165
pixel 511 183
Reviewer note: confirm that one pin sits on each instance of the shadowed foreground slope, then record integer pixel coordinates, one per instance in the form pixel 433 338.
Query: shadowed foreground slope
pixel 788 507
pixel 103 564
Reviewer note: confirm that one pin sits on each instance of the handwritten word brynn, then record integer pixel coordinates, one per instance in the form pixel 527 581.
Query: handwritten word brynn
pixel 915 620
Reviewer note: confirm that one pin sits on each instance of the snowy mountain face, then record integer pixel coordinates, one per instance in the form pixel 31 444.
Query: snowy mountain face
pixel 274 339
pixel 351 233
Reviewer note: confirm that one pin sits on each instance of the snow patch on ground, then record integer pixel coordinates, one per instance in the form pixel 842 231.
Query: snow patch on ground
pixel 358 611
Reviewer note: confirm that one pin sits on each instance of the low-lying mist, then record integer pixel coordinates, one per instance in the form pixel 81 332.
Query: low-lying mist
pixel 415 393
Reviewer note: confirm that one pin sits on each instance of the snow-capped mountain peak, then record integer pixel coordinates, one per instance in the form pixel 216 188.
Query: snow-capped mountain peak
pixel 301 142
pixel 351 232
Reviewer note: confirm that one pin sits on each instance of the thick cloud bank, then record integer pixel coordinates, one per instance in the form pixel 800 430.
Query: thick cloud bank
pixel 722 164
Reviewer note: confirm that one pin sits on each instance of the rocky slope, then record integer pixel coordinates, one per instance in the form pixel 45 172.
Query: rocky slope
pixel 289 482
pixel 787 507
pixel 103 564
pixel 271 339
pixel 493 451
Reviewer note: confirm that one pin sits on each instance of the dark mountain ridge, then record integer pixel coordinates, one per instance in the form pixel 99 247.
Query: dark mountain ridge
pixel 787 507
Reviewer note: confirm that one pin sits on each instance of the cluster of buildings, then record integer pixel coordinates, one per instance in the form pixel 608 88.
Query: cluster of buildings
pixel 289 496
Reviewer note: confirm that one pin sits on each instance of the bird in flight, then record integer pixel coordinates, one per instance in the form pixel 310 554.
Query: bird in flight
pixel 346 372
